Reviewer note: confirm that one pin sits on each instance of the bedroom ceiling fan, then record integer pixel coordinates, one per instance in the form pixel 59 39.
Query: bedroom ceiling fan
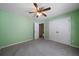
pixel 38 11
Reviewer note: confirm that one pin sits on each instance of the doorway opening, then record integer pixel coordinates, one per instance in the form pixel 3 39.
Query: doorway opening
pixel 38 30
pixel 41 30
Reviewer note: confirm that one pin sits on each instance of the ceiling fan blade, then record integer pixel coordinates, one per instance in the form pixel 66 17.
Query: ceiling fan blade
pixel 47 9
pixel 35 4
pixel 44 14
pixel 31 12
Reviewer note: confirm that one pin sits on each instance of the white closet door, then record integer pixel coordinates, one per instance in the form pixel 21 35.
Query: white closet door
pixel 60 30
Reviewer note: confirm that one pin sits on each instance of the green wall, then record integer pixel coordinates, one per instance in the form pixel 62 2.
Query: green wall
pixel 74 26
pixel 14 28
pixel 75 29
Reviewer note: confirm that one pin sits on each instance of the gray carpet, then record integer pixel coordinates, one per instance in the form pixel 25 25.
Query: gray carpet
pixel 39 48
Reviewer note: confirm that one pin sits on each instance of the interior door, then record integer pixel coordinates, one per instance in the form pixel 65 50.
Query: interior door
pixel 60 30
pixel 36 31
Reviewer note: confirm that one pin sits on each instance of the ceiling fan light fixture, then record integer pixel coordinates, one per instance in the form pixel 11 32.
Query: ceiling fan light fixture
pixel 39 10
pixel 39 14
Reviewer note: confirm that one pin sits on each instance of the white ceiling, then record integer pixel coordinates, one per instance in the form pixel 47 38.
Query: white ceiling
pixel 24 8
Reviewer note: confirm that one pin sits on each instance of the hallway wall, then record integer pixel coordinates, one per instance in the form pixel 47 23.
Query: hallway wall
pixel 14 28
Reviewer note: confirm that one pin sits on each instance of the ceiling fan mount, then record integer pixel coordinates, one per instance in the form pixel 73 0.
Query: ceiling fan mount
pixel 38 11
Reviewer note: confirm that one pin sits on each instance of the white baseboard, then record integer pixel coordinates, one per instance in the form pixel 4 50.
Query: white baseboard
pixel 15 43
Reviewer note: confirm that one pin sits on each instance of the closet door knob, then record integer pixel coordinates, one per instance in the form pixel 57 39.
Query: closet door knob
pixel 57 31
